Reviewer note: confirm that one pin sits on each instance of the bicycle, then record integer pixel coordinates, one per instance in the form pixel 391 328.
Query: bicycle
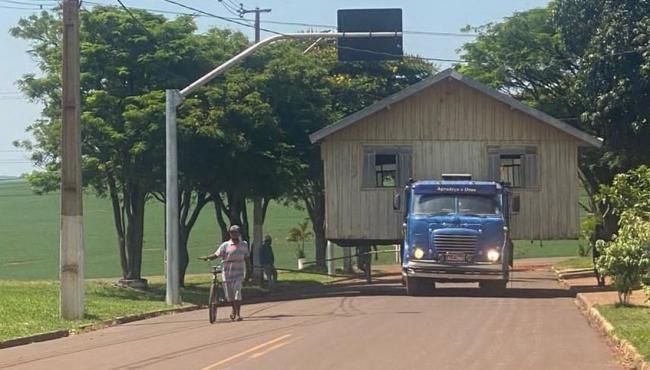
pixel 215 294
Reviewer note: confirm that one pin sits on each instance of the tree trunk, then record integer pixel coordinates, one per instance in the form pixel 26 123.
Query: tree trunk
pixel 189 212
pixel 135 231
pixel 118 219
pixel 219 210
pixel 183 255
pixel 591 178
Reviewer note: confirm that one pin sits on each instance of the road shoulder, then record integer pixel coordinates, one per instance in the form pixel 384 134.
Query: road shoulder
pixel 589 297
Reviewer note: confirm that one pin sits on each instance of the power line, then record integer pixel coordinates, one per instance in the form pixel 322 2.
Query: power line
pixel 400 56
pixel 41 5
pixel 18 8
pixel 210 14
pixel 286 23
pixel 137 21
pixel 229 8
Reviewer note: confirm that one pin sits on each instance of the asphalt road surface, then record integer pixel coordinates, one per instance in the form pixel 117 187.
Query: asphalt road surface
pixel 535 325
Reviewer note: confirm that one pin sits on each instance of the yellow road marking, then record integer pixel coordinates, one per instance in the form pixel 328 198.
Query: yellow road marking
pixel 246 352
pixel 273 348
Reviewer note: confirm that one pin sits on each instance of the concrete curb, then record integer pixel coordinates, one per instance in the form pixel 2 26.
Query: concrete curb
pixel 631 357
pixel 34 338
pixel 42 337
pixel 629 353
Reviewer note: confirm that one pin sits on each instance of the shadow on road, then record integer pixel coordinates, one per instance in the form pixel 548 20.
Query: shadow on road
pixel 474 292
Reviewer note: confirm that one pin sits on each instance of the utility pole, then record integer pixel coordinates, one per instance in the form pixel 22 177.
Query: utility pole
pixel 258 213
pixel 72 246
pixel 257 12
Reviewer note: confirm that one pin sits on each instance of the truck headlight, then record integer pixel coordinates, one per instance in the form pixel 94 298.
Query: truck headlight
pixel 418 253
pixel 493 255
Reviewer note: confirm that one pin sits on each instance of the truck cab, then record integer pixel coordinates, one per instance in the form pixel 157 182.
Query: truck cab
pixel 455 230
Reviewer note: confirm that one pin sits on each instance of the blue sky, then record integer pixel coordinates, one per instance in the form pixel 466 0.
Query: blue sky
pixel 418 15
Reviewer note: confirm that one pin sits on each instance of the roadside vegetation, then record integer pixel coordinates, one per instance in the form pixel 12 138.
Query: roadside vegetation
pixel 632 324
pixel 575 263
pixel 31 307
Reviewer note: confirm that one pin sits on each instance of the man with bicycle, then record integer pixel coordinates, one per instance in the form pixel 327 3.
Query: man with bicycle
pixel 234 253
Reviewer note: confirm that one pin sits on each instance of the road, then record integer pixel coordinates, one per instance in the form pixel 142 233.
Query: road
pixel 533 326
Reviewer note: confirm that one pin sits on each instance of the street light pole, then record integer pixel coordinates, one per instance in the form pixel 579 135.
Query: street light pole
pixel 174 98
pixel 172 101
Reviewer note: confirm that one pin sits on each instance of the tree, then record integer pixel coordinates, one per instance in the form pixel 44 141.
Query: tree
pixel 524 57
pixel 585 62
pixel 125 68
pixel 300 235
pixel 626 259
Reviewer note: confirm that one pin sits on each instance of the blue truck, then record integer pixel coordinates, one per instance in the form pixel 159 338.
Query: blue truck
pixel 455 230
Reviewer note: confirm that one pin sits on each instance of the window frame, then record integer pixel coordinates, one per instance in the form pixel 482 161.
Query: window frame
pixel 528 154
pixel 381 173
pixel 403 154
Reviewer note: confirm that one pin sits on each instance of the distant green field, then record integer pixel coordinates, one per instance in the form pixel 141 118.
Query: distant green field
pixel 29 237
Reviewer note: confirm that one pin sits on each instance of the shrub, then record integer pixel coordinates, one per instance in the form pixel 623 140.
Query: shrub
pixel 626 259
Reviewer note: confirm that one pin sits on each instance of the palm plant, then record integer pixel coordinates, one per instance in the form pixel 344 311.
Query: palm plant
pixel 299 235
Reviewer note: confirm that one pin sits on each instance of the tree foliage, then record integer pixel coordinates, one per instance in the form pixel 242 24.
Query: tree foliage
pixel 626 259
pixel 629 192
pixel 585 62
pixel 124 71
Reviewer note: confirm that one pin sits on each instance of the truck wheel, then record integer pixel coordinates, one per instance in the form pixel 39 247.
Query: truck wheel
pixel 419 286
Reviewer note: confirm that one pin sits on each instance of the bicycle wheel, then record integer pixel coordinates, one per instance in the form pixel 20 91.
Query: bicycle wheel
pixel 212 303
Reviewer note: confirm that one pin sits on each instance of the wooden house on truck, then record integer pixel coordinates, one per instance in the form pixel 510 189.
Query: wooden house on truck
pixel 449 123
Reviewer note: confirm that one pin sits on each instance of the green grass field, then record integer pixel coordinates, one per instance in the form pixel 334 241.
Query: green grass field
pixel 29 237
pixel 631 323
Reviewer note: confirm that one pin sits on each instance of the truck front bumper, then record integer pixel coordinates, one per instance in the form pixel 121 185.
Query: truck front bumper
pixel 454 272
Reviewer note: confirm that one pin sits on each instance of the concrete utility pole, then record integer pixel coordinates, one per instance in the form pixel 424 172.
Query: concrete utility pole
pixel 72 246
pixel 174 99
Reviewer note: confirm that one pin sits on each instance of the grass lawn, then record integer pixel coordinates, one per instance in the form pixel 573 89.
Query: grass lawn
pixel 548 248
pixel 31 307
pixel 29 238
pixel 574 263
pixel 632 324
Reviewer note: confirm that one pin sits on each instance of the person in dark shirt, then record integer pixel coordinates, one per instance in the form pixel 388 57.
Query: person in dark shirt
pixel 267 260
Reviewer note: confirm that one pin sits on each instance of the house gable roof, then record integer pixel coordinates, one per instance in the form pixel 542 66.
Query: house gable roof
pixel 585 138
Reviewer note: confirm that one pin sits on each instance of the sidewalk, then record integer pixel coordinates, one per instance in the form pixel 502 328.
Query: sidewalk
pixel 588 291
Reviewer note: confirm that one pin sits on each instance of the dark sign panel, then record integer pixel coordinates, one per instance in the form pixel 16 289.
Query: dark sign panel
pixel 370 20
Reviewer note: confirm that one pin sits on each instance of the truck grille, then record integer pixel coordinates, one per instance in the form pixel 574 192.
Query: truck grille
pixel 455 243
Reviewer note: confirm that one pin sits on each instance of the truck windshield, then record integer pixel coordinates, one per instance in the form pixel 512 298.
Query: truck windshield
pixel 444 204
pixel 478 205
pixel 434 204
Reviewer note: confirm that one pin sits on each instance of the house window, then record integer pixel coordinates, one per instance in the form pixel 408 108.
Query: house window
pixel 386 167
pixel 511 169
pixel 385 170
pixel 516 166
